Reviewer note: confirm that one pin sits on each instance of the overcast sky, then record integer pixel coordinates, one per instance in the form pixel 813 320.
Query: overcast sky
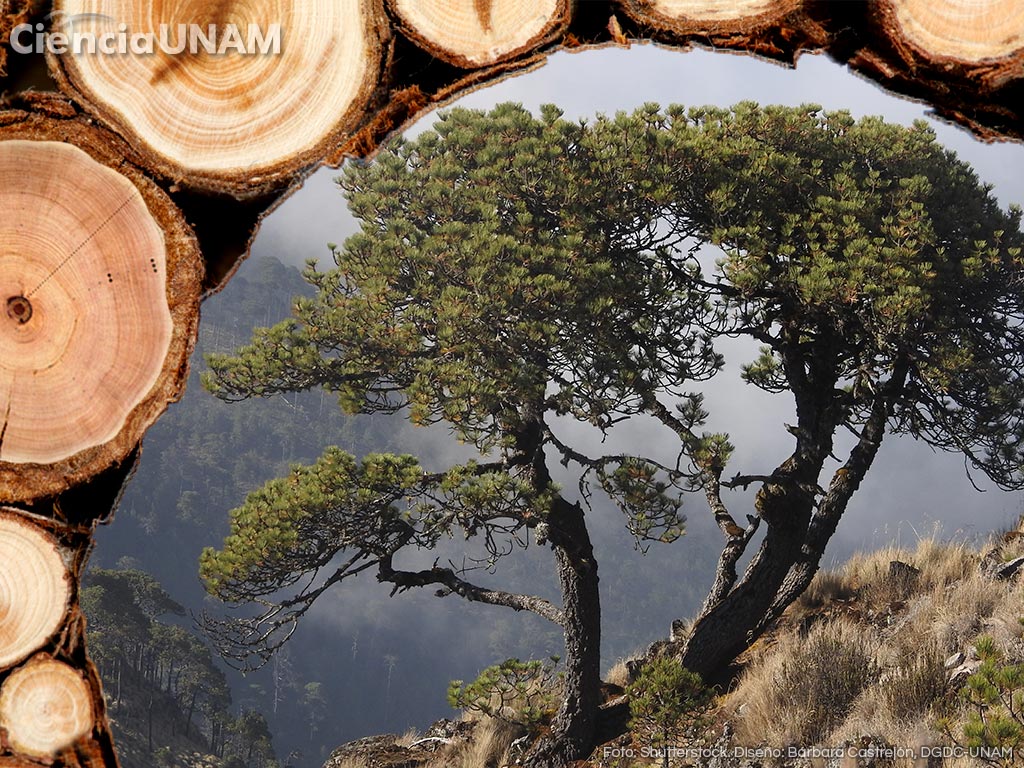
pixel 911 488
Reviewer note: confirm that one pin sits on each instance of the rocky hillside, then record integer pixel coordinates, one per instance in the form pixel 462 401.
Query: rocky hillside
pixel 900 658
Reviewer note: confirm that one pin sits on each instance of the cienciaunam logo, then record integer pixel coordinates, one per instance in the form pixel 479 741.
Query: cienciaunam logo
pixel 94 33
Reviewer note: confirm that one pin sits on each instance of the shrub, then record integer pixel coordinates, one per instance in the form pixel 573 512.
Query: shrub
pixel 667 701
pixel 995 695
pixel 522 692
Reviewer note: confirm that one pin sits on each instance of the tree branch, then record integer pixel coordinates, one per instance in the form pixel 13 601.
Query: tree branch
pixel 736 540
pixel 446 577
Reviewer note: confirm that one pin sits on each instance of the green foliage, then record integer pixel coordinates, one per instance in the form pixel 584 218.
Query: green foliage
pixel 667 701
pixel 254 733
pixel 995 697
pixel 522 692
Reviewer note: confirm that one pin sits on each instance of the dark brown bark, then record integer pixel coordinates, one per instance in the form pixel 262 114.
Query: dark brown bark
pixel 799 529
pixel 572 732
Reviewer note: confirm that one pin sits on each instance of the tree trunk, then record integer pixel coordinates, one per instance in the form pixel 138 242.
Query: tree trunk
pixel 572 732
pixel 99 300
pixel 729 627
pixel 191 710
pixel 799 529
pixel 248 118
pixel 476 33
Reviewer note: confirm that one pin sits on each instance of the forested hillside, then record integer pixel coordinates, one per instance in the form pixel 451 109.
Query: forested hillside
pixel 168 700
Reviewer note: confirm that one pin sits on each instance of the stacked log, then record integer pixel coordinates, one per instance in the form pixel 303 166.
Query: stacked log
pixel 242 121
pixel 479 33
pixel 99 301
pixel 51 703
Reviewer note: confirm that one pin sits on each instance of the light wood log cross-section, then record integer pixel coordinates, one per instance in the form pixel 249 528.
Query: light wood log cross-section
pixel 475 33
pixel 51 708
pixel 45 707
pixel 240 121
pixel 987 34
pixel 99 292
pixel 35 589
pixel 687 16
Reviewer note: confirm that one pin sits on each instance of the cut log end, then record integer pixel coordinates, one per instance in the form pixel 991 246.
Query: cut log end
pixel 242 110
pixel 475 33
pixel 84 269
pixel 100 281
pixel 967 31
pixel 708 16
pixel 45 707
pixel 34 588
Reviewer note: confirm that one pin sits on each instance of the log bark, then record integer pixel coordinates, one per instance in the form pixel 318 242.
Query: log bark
pixel 478 33
pixel 240 123
pixel 99 297
pixel 13 13
pixel 45 707
pixel 35 588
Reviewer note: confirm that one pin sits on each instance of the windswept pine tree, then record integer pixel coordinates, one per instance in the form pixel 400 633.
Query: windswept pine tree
pixel 512 272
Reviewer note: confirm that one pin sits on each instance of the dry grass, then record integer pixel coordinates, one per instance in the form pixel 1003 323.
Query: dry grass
pixel 872 662
pixel 826 588
pixel 803 688
pixel 488 749
pixel 407 738
pixel 955 615
pixel 619 673
pixel 913 685
pixel 938 564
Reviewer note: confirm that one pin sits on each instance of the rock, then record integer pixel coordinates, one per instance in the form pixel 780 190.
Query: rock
pixel 680 629
pixel 958 677
pixel 378 751
pixel 955 660
pixel 1006 571
pixel 903 574
pixel 450 730
pixel 385 752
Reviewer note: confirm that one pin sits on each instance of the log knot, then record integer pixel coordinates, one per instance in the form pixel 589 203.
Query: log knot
pixel 19 309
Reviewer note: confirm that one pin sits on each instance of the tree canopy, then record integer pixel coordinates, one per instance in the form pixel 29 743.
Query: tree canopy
pixel 512 271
